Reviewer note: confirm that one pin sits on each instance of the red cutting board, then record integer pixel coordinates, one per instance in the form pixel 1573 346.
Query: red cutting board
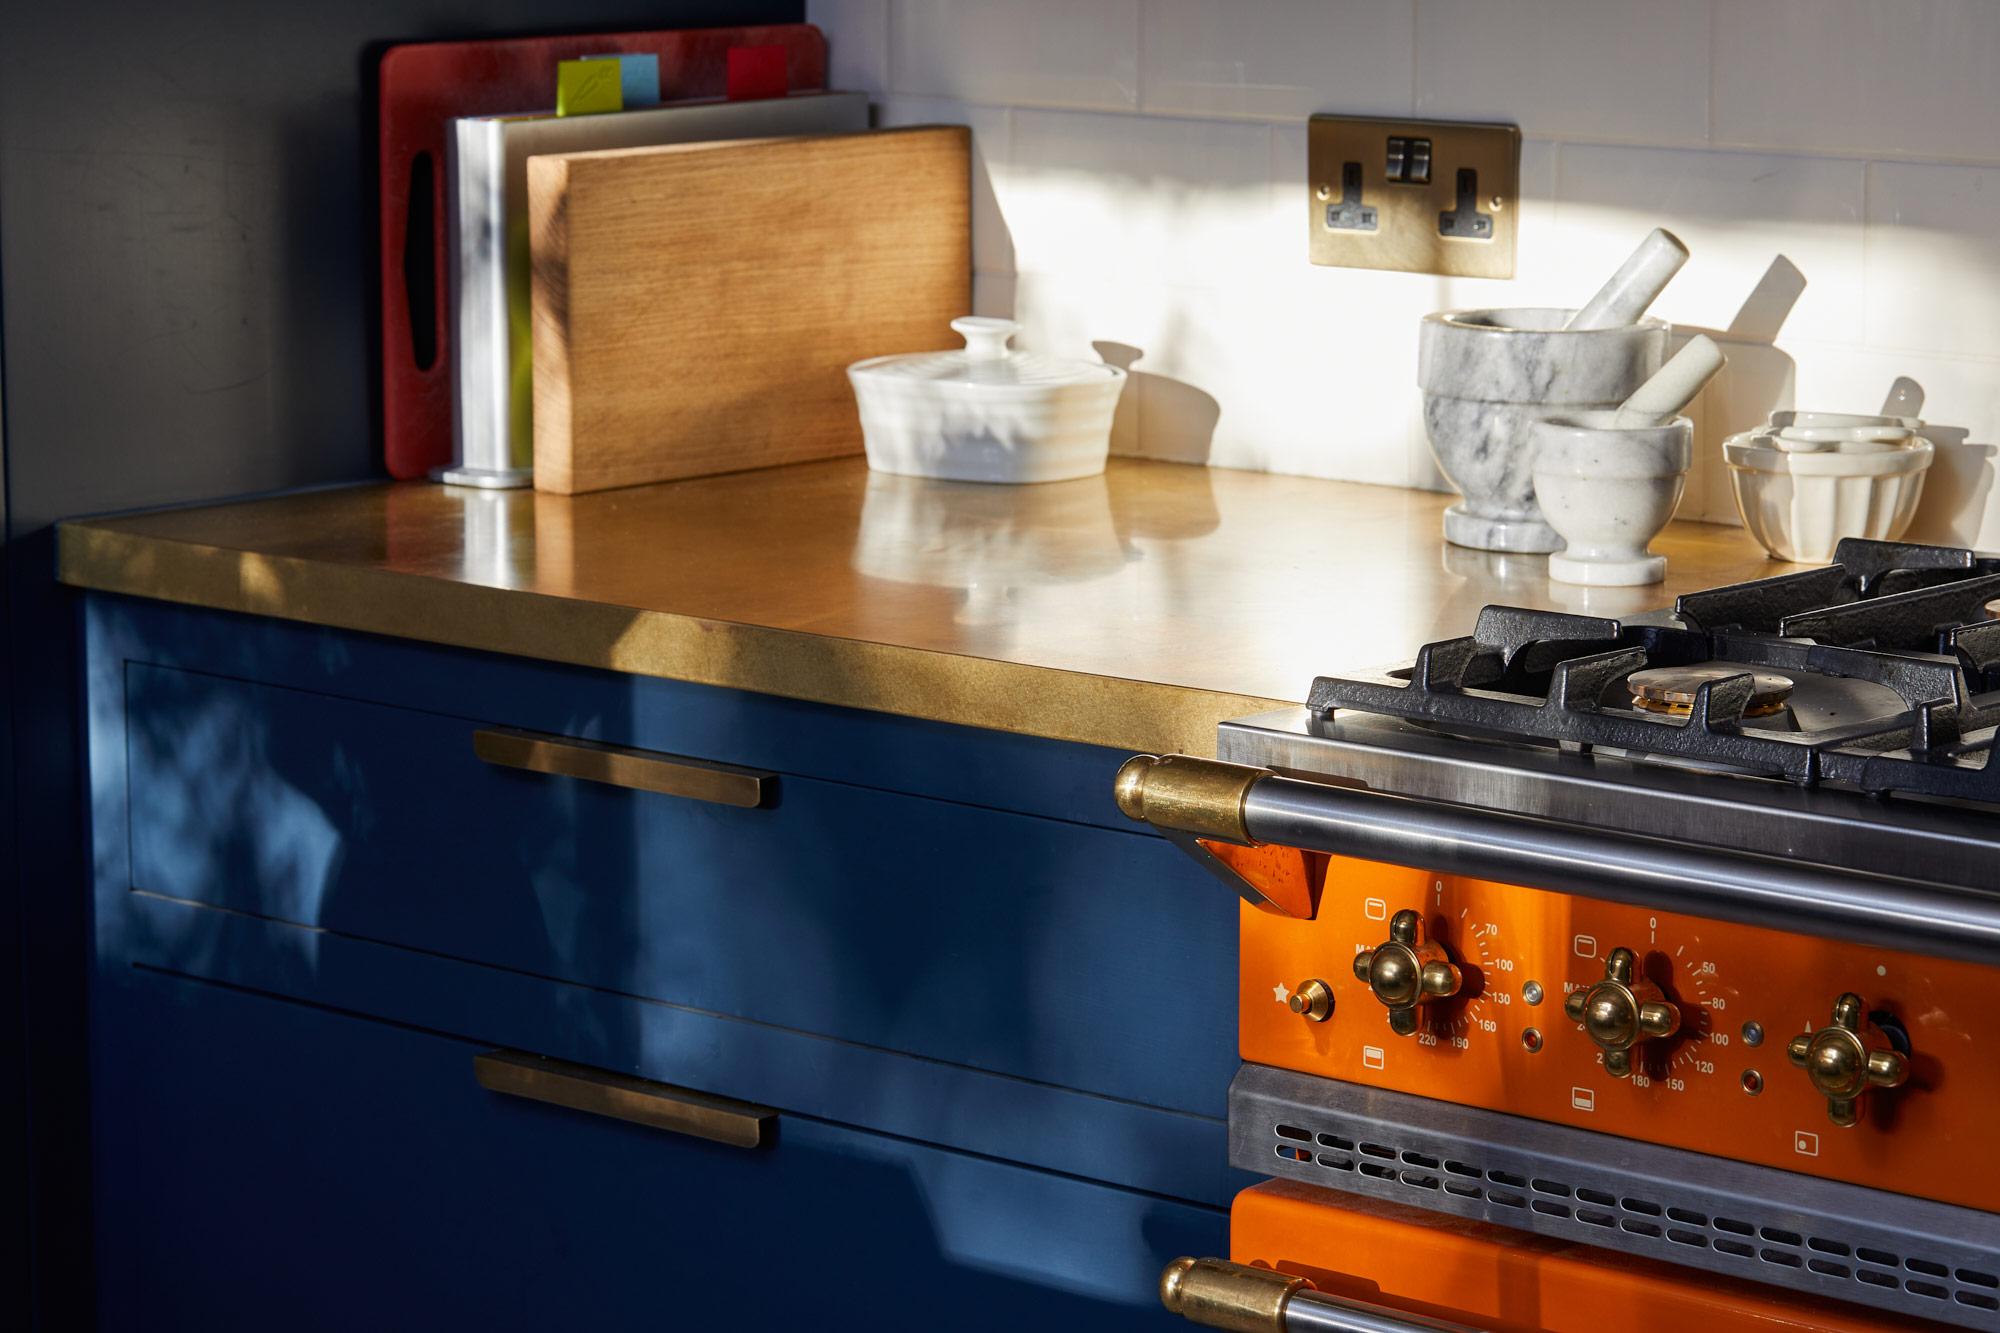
pixel 424 87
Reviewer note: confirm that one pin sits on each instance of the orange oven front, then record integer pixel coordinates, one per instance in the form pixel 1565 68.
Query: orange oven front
pixel 1580 1114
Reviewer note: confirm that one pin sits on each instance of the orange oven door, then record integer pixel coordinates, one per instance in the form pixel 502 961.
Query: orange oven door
pixel 1492 1279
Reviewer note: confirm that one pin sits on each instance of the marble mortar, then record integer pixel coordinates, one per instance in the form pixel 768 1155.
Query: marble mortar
pixel 1609 490
pixel 1487 377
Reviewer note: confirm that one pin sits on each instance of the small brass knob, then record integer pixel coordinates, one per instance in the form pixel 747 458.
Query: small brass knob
pixel 1313 1000
pixel 1407 971
pixel 1621 1011
pixel 1844 1063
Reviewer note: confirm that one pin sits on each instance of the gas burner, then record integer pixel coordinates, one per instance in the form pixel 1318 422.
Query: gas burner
pixel 1671 690
pixel 1880 672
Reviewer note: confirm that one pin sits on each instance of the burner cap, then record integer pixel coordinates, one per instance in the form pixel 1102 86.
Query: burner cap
pixel 1671 689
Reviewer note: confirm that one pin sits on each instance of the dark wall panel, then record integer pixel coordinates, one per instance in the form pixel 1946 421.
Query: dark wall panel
pixel 186 312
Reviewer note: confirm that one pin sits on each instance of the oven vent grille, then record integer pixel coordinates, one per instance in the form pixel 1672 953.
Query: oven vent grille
pixel 1930 1279
pixel 1911 1256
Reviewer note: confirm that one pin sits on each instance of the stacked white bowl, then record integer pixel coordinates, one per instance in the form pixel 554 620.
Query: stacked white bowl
pixel 1804 480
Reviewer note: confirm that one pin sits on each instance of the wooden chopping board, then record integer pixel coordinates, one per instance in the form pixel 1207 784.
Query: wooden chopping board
pixel 696 306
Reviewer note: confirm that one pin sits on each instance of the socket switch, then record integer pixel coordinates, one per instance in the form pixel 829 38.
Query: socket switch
pixel 1418 196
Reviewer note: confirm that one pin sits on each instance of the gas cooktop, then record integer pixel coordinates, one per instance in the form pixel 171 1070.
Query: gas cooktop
pixel 1880 672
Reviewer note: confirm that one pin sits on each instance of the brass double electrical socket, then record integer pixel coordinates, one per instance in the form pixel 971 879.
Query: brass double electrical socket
pixel 1417 196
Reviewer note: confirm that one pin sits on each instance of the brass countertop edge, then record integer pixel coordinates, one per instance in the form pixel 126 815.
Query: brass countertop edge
pixel 1055 703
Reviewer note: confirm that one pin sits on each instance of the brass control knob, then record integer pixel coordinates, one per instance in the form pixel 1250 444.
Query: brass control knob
pixel 1843 1062
pixel 1620 1011
pixel 1313 1000
pixel 1407 971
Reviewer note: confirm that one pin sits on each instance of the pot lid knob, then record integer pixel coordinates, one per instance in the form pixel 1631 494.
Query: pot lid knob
pixel 985 337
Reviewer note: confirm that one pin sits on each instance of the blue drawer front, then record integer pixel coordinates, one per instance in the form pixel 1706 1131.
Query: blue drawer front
pixel 262 1164
pixel 1052 951
pixel 1048 985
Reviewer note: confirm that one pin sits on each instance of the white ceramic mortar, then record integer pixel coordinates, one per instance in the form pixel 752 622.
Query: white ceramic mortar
pixel 1608 490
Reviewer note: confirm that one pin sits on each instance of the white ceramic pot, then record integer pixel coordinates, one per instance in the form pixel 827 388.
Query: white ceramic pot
pixel 1487 377
pixel 1799 504
pixel 986 413
pixel 1608 491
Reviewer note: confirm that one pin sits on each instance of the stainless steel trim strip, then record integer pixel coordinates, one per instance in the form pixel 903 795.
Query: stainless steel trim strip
pixel 1798 1232
pixel 1943 843
pixel 621 766
pixel 1795 896
pixel 1310 1312
pixel 623 1097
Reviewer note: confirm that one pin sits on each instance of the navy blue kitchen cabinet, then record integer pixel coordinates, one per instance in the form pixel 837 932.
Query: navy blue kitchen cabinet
pixel 996 1017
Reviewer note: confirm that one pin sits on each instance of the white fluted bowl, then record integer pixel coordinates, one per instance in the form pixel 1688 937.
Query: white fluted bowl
pixel 1799 505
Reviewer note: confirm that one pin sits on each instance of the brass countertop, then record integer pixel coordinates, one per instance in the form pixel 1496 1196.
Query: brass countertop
pixel 1133 610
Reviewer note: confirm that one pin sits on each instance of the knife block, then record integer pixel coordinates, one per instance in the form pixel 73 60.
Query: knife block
pixel 695 307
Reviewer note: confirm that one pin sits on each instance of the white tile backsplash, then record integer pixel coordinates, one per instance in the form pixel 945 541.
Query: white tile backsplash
pixel 1737 212
pixel 1140 191
pixel 1275 59
pixel 1934 257
pixel 1156 198
pixel 1904 78
pixel 857 43
pixel 992 131
pixel 1634 70
pixel 1076 53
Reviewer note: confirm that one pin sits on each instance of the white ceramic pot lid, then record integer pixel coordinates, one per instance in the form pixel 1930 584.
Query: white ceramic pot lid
pixel 987 361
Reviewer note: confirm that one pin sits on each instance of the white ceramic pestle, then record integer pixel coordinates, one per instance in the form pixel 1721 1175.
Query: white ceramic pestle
pixel 1661 398
pixel 1638 281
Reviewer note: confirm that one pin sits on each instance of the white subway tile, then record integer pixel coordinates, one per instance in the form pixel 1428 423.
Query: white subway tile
pixel 1593 69
pixel 1150 198
pixel 1737 212
pixel 1934 258
pixel 857 42
pixel 1915 77
pixel 993 295
pixel 1077 53
pixel 1759 379
pixel 1276 59
pixel 992 244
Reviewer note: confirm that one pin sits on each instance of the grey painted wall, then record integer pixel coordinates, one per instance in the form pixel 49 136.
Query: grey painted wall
pixel 186 309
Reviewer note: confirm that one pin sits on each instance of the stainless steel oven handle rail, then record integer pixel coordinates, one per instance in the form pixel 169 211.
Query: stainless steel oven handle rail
pixel 1184 796
pixel 1218 1294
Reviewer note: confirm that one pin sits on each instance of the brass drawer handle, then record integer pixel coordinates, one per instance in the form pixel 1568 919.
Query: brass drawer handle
pixel 621 766
pixel 623 1097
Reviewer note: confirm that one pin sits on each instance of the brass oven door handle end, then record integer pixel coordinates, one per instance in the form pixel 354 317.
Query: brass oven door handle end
pixel 624 1097
pixel 1216 1293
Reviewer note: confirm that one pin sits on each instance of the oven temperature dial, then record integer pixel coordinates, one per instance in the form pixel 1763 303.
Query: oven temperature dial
pixel 1620 1011
pixel 1407 971
pixel 1842 1063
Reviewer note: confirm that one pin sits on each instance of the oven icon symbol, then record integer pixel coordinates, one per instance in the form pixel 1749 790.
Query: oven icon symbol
pixel 1375 910
pixel 1371 1057
pixel 1582 1099
pixel 1585 946
pixel 1806 1145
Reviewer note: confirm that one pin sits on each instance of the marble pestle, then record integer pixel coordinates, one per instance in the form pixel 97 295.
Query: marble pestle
pixel 1636 284
pixel 1673 386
